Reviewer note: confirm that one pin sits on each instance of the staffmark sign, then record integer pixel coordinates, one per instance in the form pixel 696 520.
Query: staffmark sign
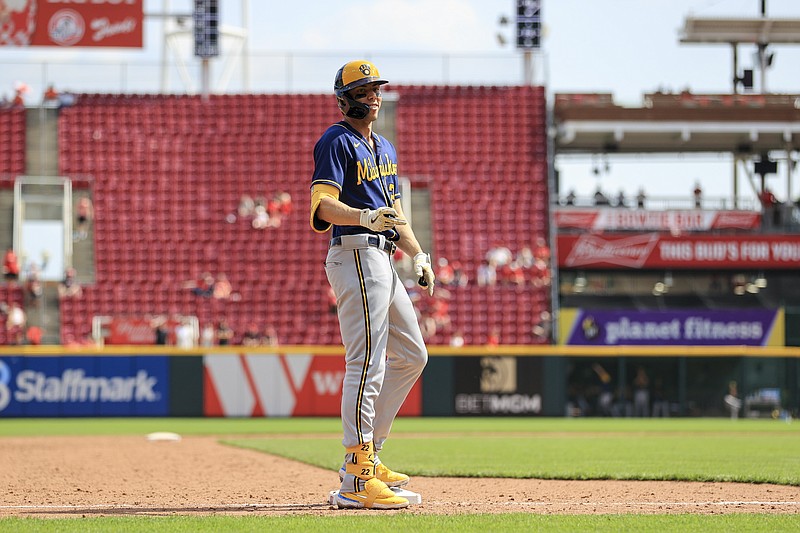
pixel 73 385
pixel 80 386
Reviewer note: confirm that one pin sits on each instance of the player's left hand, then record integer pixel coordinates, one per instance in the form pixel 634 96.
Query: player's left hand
pixel 424 271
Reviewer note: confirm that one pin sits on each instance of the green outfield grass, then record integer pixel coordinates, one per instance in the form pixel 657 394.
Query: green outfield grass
pixel 657 449
pixel 397 522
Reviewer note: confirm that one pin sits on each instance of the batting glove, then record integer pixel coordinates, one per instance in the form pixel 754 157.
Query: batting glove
pixel 423 269
pixel 381 219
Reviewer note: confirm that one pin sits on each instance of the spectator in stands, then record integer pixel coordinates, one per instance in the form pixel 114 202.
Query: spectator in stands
pixel 19 99
pixel 540 274
pixel 494 338
pixel 460 278
pixel 34 335
pixel 640 199
pixel 621 201
pixel 251 335
pixel 278 208
pixel 698 195
pixel 33 285
pixel 207 335
pixel 222 287
pixel 444 272
pixel 50 94
pixel 525 257
pixel 570 198
pixel 15 323
pixel 487 274
pixel 544 327
pixel 160 330
pixel 771 207
pixel 11 266
pixel 85 214
pixel 246 207
pixel 224 333
pixel 511 274
pixel 270 337
pixel 69 286
pixel 457 339
pixel 600 198
pixel 185 336
pixel 286 204
pixel 203 287
pixel 542 250
pixel 260 217
pixel 499 255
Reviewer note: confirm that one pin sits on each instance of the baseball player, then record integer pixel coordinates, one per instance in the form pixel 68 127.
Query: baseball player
pixel 355 191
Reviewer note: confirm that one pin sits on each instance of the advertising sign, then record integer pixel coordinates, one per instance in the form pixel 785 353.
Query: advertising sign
pixel 273 385
pixel 84 386
pixel 750 327
pixel 498 386
pixel 654 250
pixel 674 221
pixel 69 23
pixel 135 330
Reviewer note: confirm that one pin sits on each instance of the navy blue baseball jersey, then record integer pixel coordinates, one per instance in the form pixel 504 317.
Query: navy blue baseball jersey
pixel 345 160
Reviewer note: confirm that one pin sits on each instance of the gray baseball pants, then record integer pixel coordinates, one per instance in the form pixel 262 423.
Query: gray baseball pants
pixel 384 349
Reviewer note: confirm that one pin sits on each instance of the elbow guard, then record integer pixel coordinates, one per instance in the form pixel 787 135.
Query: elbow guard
pixel 318 192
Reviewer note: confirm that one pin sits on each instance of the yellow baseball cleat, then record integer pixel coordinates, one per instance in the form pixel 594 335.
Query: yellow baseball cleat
pixel 390 477
pixel 376 495
pixel 385 474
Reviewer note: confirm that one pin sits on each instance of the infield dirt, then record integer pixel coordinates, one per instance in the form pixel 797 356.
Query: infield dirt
pixel 113 476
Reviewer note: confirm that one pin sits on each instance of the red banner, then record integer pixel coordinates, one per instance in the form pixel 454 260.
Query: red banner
pixel 655 250
pixel 68 23
pixel 280 385
pixel 132 330
pixel 674 221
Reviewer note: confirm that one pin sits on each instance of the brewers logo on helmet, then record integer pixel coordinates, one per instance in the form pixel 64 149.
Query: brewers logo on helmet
pixel 355 74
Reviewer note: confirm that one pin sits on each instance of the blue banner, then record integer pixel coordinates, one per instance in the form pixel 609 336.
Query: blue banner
pixel 84 386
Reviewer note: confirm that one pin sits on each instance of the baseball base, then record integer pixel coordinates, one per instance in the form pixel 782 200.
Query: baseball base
pixel 412 497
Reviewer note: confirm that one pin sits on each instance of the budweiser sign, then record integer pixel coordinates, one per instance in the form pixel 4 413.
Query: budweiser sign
pixel 674 221
pixel 631 252
pixel 136 330
pixel 690 251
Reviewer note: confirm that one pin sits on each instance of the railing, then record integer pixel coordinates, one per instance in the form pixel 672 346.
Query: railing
pixel 663 203
pixel 270 72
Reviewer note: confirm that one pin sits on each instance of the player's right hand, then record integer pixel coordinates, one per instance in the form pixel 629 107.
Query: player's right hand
pixel 381 219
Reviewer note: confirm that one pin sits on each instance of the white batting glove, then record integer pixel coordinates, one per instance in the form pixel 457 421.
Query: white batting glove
pixel 423 270
pixel 381 219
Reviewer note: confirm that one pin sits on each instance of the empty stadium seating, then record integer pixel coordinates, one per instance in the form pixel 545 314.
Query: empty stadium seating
pixel 168 170
pixel 12 141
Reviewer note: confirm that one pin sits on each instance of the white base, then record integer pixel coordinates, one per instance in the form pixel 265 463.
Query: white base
pixel 163 436
pixel 412 497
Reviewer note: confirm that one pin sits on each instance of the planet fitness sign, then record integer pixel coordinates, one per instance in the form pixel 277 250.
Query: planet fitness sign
pixel 756 327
